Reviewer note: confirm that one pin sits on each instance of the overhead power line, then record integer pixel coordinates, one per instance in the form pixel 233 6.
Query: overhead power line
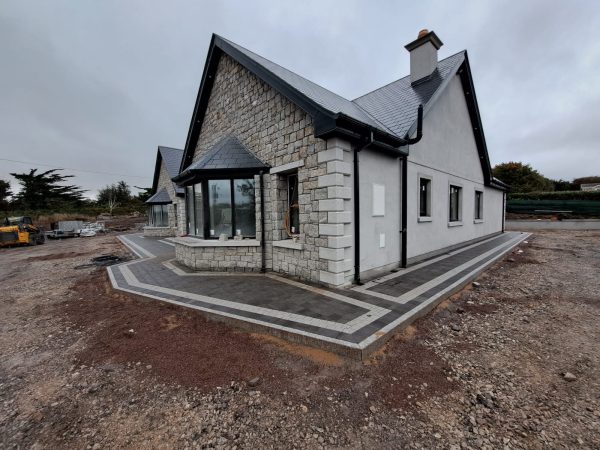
pixel 75 170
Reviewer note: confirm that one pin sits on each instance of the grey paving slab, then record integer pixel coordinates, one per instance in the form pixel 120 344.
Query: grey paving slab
pixel 355 319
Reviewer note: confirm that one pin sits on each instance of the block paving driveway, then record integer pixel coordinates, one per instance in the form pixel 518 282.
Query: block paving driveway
pixel 353 321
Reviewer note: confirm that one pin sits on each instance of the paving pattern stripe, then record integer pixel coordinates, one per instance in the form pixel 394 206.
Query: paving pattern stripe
pixel 265 323
pixel 423 287
pixel 417 309
pixel 320 291
pixel 403 272
pixel 372 314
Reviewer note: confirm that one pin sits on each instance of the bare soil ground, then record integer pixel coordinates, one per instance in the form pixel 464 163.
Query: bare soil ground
pixel 513 362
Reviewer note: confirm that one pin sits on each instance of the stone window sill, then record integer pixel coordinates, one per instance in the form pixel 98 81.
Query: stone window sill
pixel 455 224
pixel 288 243
pixel 188 241
pixel 477 220
pixel 424 219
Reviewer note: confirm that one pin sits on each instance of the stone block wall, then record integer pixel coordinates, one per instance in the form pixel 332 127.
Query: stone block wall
pixel 280 134
pixel 158 231
pixel 220 259
pixel 336 249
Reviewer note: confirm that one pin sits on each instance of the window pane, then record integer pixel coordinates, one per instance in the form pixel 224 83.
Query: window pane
pixel 294 210
pixel 478 204
pixel 454 203
pixel 424 197
pixel 198 211
pixel 219 202
pixel 245 212
pixel 189 200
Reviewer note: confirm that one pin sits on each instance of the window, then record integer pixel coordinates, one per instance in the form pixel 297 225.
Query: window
pixel 455 194
pixel 424 197
pixel 189 206
pixel 245 208
pixel 198 210
pixel 478 205
pixel 216 207
pixel 158 215
pixel 293 207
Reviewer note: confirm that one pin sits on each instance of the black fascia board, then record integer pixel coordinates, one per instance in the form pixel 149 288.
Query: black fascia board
pixel 190 177
pixel 357 132
pixel 466 79
pixel 206 83
pixel 156 172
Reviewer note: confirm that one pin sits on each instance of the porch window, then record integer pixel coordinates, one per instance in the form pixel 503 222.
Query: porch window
pixel 158 216
pixel 224 206
pixel 244 206
pixel 424 197
pixel 478 205
pixel 455 200
pixel 189 207
pixel 198 210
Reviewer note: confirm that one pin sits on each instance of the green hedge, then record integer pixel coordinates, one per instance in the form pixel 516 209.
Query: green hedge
pixel 556 195
pixel 574 207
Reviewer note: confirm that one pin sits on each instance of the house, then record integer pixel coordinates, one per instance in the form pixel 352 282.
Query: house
pixel 167 200
pixel 281 174
pixel 590 187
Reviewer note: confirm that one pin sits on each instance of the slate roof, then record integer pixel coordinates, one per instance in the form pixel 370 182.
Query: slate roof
pixel 228 154
pixel 395 105
pixel 388 114
pixel 172 157
pixel 323 97
pixel 160 198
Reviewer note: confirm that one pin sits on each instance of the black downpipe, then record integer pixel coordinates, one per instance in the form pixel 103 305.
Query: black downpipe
pixel 503 210
pixel 263 244
pixel 356 176
pixel 404 220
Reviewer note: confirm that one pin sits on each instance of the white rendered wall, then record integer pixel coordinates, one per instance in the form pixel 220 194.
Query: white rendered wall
pixel 447 154
pixel 381 170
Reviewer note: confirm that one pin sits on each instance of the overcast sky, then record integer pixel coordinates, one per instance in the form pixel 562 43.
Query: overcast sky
pixel 97 85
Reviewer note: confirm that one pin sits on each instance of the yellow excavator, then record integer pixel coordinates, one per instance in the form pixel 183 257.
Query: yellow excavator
pixel 20 231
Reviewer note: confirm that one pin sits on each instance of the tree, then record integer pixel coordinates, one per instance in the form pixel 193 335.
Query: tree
pixel 144 194
pixel 522 177
pixel 5 193
pixel 44 190
pixel 117 192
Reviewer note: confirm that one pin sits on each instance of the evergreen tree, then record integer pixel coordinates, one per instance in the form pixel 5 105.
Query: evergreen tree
pixel 45 190
pixel 5 193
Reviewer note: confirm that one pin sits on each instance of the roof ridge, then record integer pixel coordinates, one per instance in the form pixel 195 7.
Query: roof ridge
pixel 401 78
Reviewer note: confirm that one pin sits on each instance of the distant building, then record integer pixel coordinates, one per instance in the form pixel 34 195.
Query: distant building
pixel 590 187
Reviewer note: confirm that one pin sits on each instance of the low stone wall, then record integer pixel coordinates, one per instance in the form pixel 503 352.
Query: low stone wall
pixel 158 231
pixel 219 256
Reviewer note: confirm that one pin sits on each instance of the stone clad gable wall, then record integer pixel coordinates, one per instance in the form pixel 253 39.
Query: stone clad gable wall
pixel 164 181
pixel 279 133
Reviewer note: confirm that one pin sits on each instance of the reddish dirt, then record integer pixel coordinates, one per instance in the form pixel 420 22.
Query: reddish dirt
pixel 181 345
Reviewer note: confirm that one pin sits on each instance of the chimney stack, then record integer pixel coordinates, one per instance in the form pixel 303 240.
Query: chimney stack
pixel 423 55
